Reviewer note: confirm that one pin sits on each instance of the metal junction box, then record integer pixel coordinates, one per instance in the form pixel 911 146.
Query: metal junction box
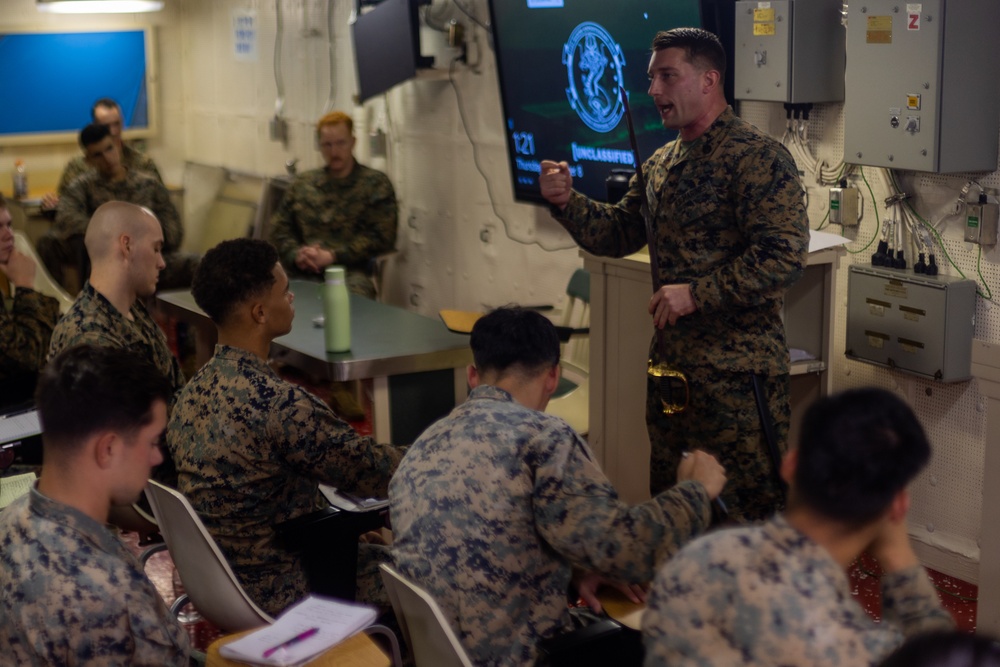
pixel 922 89
pixel 918 324
pixel 789 51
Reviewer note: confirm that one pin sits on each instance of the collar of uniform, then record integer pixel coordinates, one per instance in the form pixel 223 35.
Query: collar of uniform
pixel 784 533
pixel 101 178
pixel 705 145
pixel 244 357
pixel 102 303
pixel 72 519
pixel 489 392
pixel 789 539
pixel 334 183
pixel 128 153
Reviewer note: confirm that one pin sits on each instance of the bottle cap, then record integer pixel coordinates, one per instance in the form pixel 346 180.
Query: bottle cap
pixel 334 274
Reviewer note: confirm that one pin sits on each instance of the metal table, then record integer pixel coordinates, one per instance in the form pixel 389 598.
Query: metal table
pixel 416 365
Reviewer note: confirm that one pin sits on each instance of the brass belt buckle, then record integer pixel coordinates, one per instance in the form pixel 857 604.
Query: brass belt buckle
pixel 673 386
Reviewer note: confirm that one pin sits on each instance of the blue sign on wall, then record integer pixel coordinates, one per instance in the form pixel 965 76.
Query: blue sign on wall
pixel 51 80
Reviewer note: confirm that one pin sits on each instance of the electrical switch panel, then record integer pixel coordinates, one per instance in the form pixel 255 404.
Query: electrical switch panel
pixel 918 324
pixel 789 51
pixel 921 85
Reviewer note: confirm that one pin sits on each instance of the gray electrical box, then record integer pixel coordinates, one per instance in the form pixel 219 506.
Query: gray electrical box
pixel 981 222
pixel 918 324
pixel 922 88
pixel 789 51
pixel 844 206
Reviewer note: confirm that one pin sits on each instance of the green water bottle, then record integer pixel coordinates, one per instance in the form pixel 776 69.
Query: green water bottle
pixel 336 310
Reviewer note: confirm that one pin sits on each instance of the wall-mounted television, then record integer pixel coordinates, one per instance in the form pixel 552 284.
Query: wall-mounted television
pixel 560 63
pixel 387 44
pixel 51 80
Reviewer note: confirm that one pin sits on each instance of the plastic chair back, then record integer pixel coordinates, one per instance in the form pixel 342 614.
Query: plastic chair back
pixel 219 204
pixel 424 627
pixel 44 284
pixel 572 398
pixel 207 577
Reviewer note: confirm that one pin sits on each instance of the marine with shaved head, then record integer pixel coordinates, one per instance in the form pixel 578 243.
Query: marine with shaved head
pixel 125 244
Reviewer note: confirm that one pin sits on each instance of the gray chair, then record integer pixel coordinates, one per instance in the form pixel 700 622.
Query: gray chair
pixel 219 204
pixel 132 518
pixel 431 640
pixel 208 580
pixel 572 398
pixel 210 583
pixel 43 283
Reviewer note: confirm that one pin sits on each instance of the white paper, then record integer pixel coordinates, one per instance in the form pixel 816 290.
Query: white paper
pixel 800 355
pixel 823 240
pixel 351 503
pixel 335 620
pixel 245 35
pixel 12 488
pixel 19 426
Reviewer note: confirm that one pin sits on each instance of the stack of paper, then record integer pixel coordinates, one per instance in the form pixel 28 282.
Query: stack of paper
pixel 15 486
pixel 17 427
pixel 302 632
pixel 349 503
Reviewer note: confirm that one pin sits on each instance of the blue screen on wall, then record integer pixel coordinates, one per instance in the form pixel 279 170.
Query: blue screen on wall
pixel 51 80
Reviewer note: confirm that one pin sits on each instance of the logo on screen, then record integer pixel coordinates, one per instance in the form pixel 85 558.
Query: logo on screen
pixel 594 63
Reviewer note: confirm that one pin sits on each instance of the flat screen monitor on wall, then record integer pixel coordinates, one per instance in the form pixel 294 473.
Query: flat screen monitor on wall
pixel 52 79
pixel 387 45
pixel 560 64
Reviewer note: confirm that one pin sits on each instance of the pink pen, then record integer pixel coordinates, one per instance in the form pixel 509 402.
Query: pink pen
pixel 294 640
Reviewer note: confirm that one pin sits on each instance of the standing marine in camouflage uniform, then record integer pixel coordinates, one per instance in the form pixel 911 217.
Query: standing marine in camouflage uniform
pixel 71 593
pixel 251 448
pixel 731 235
pixel 778 593
pixel 343 213
pixel 24 329
pixel 494 506
pixel 110 180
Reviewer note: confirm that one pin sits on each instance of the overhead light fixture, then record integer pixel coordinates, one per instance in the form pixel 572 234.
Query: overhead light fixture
pixel 98 6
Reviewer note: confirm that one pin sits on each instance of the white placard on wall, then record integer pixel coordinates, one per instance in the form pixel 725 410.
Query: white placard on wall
pixel 245 35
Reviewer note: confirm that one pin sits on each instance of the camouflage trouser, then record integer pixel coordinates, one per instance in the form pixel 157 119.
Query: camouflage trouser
pixel 358 282
pixel 370 587
pixel 722 419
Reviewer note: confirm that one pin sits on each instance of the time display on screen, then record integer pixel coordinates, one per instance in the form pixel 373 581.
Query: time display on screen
pixel 524 143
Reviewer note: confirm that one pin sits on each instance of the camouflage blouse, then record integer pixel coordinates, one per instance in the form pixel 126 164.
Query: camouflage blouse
pixel 72 594
pixel 769 595
pixel 495 504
